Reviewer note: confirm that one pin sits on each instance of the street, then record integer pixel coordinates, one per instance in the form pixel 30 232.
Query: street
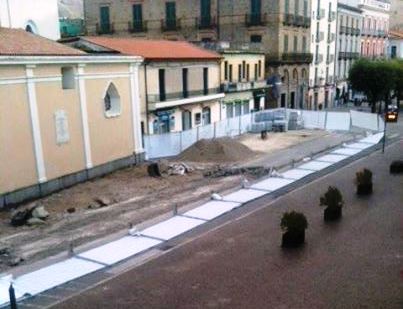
pixel 354 263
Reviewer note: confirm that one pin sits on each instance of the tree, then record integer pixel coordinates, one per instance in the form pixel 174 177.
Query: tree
pixel 398 90
pixel 376 79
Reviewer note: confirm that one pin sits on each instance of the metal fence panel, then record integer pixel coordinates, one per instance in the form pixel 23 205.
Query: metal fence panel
pixel 314 119
pixel 364 120
pixel 162 145
pixel 338 121
pixel 189 137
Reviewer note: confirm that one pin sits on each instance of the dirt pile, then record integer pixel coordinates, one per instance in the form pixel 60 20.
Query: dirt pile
pixel 217 150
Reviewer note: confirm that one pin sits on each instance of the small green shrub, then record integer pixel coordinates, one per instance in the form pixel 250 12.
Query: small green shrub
pixel 363 180
pixel 294 222
pixel 294 225
pixel 332 198
pixel 363 177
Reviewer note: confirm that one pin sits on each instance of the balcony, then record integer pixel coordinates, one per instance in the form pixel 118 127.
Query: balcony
pixel 355 31
pixel 369 32
pixel 296 58
pixel 331 37
pixel 307 22
pixel 332 16
pixel 137 26
pixel 105 28
pixel 255 20
pixel 289 20
pixel 157 101
pixel 329 80
pixel 318 81
pixel 206 22
pixel 329 59
pixel 299 21
pixel 243 86
pixel 320 36
pixel 381 33
pixel 353 55
pixel 320 14
pixel 318 58
pixel 170 24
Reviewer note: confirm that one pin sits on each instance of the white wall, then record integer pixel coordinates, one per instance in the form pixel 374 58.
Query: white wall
pixel 41 15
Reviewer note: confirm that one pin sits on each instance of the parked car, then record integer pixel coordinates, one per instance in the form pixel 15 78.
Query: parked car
pixel 392 113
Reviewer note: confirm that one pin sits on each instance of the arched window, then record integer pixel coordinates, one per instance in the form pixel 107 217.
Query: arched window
pixel 295 75
pixel 31 27
pixel 112 101
pixel 286 77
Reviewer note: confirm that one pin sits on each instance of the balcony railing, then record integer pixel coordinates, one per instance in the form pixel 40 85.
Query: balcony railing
pixel 137 26
pixel 331 37
pixel 253 20
pixel 320 14
pixel 369 32
pixel 155 98
pixel 332 16
pixel 348 55
pixel 307 22
pixel 297 57
pixel 170 24
pixel 206 22
pixel 289 19
pixel 329 80
pixel 242 86
pixel 105 28
pixel 318 58
pixel 320 36
pixel 355 31
pixel 329 59
pixel 299 21
pixel 381 33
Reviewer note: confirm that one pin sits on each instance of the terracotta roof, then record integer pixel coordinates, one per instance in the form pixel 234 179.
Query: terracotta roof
pixel 17 42
pixel 395 34
pixel 157 50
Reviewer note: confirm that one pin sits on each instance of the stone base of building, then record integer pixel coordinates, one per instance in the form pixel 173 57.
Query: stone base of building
pixel 54 185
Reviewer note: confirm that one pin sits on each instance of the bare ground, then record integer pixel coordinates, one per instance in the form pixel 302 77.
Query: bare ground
pixel 136 198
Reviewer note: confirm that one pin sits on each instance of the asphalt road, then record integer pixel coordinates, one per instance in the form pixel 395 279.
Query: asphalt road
pixel 356 263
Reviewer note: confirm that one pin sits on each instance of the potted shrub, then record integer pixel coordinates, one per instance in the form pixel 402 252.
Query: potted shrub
pixel 363 181
pixel 333 200
pixel 396 167
pixel 294 225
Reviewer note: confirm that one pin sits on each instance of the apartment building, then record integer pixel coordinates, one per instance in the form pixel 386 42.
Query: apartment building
pixel 348 46
pixel 281 29
pixel 323 47
pixel 40 16
pixel 395 46
pixel 242 79
pixel 375 27
pixel 71 116
pixel 179 90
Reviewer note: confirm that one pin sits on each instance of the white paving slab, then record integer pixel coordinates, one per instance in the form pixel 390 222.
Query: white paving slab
pixel 120 249
pixel 172 227
pixel 212 210
pixel 359 145
pixel 347 151
pixel 272 184
pixel 315 165
pixel 373 139
pixel 244 195
pixel 54 275
pixel 296 173
pixel 4 286
pixel 332 158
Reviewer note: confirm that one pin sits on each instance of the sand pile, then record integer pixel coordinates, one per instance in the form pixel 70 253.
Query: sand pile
pixel 217 150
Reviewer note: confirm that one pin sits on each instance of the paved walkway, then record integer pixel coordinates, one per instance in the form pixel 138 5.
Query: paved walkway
pixel 239 264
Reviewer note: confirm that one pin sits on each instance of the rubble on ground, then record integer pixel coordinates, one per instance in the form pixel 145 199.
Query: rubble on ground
pixel 33 214
pixel 223 171
pixel 162 168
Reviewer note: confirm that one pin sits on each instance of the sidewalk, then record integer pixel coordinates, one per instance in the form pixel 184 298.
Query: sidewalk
pixel 150 235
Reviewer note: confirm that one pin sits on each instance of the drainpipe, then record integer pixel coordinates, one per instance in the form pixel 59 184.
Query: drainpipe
pixel 9 14
pixel 218 20
pixel 146 94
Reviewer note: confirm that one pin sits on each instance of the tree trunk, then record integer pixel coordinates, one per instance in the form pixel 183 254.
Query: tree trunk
pixel 373 107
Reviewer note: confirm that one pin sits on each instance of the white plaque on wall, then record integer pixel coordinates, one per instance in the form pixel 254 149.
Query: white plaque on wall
pixel 62 127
